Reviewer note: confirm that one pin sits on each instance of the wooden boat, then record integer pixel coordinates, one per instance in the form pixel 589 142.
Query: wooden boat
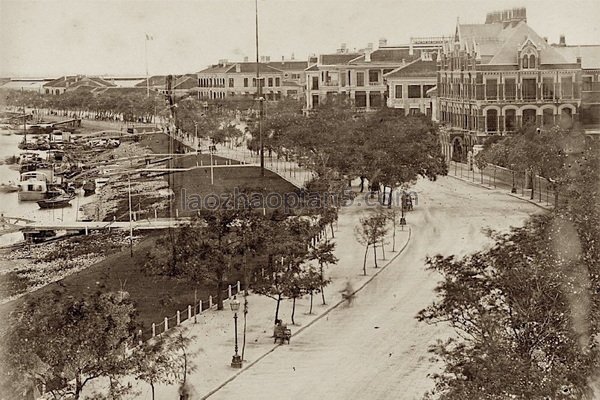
pixel 33 186
pixel 9 187
pixel 63 200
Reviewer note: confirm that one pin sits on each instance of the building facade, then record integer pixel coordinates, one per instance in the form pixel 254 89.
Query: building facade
pixel 495 77
pixel 238 80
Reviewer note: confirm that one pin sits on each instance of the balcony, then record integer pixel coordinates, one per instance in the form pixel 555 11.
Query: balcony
pixel 376 83
pixel 330 83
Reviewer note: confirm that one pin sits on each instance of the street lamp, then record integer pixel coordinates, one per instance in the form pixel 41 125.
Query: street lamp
pixel 236 361
pixel 513 189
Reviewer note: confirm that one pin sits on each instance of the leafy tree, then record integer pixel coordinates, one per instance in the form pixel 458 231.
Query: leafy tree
pixel 322 253
pixel 154 362
pixel 62 343
pixel 370 232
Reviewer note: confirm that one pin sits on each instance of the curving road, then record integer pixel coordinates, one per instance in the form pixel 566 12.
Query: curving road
pixel 376 349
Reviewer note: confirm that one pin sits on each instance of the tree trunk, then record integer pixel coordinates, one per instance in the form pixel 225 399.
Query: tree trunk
pixel 375 254
pixel 77 387
pixel 331 226
pixel 277 309
pixel 365 261
pixel 390 199
pixel 383 249
pixel 293 310
pixel 152 387
pixel 219 295
pixel 311 302
pixel 245 275
pixel 322 280
pixel 532 185
pixel 362 184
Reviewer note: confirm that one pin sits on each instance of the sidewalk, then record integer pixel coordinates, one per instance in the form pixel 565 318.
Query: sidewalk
pixel 501 179
pixel 213 343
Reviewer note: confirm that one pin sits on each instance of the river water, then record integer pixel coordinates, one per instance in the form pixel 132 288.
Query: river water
pixel 11 206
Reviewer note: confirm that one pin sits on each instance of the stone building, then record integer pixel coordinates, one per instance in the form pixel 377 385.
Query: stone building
pixel 495 77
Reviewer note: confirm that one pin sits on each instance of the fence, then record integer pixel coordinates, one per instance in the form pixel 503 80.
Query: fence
pixel 192 311
pixel 189 313
pixel 519 183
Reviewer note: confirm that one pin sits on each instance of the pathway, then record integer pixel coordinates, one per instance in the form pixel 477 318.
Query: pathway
pixel 377 349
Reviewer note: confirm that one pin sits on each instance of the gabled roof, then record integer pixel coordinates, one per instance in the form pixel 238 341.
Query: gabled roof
pixel 186 82
pixel 156 80
pixel 288 65
pixel 590 55
pixel 78 81
pixel 417 68
pixel 248 67
pixel 337 58
pixel 498 43
pixel 393 56
pixel 217 68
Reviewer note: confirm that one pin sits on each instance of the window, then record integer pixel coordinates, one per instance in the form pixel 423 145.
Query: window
pixel 315 98
pixel 270 82
pixel 510 120
pixel 586 83
pixel 277 81
pixel 230 82
pixel 360 99
pixel 491 121
pixel 295 76
pixel 253 82
pixel 245 82
pixel 548 88
pixel 398 91
pixel 427 88
pixel 315 83
pixel 360 79
pixel 414 111
pixel 566 84
pixel 491 89
pixel 529 89
pixel 532 61
pixel 525 62
pixel 373 76
pixel 510 89
pixel 414 91
pixel 343 79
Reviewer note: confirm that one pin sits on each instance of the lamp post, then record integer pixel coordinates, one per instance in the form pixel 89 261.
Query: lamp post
pixel 236 360
pixel 513 189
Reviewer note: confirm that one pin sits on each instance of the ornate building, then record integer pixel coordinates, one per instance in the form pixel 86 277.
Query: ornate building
pixel 496 77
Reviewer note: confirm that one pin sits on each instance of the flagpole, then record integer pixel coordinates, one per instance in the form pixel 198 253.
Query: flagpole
pixel 146 53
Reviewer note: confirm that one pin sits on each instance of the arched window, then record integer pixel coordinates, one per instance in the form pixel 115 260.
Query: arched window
pixel 532 61
pixel 525 62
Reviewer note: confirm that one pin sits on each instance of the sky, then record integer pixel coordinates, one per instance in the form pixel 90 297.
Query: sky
pixel 50 38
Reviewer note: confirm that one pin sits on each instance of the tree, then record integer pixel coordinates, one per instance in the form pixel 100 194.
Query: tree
pixel 62 343
pixel 322 253
pixel 522 314
pixel 369 232
pixel 155 362
pixel 312 281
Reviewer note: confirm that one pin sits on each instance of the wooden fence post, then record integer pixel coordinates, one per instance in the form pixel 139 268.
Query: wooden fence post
pixel 238 286
pixel 140 337
pixel 189 312
pixel 166 324
pixel 199 306
pixel 210 302
pixel 153 329
pixel 178 317
pixel 229 291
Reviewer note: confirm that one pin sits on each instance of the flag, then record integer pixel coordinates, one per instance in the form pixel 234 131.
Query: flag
pixel 149 37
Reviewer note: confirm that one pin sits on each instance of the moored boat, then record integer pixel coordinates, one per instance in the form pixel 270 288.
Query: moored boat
pixel 33 186
pixel 63 200
pixel 9 187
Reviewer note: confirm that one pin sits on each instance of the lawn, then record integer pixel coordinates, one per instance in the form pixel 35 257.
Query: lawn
pixel 157 297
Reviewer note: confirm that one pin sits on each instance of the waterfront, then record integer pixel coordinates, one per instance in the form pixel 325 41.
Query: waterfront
pixel 9 202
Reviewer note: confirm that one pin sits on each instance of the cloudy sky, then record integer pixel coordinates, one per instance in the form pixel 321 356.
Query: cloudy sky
pixel 107 37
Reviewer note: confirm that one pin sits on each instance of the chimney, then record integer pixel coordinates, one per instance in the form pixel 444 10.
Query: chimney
pixel 262 59
pixel 268 58
pixel 368 55
pixel 382 42
pixel 246 59
pixel 293 57
pixel 562 41
pixel 370 46
pixel 238 67
pixel 342 48
pixel 282 59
